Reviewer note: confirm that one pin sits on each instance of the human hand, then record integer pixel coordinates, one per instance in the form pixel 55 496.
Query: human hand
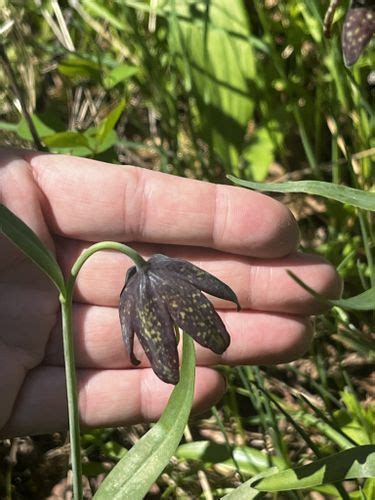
pixel 246 239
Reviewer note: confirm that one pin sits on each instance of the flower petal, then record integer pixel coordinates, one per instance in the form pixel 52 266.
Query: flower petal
pixel 155 332
pixel 132 271
pixel 192 312
pixel 359 26
pixel 201 279
pixel 128 298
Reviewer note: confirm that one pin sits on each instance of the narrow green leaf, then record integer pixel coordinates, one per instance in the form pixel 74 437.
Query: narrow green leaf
pixel 308 420
pixel 108 123
pixel 79 68
pixel 12 127
pixel 363 302
pixel 104 13
pixel 246 491
pixel 250 460
pixel 29 243
pixel 355 463
pixel 141 466
pixel 344 194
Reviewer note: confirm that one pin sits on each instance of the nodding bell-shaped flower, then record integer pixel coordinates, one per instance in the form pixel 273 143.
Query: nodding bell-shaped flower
pixel 358 29
pixel 164 293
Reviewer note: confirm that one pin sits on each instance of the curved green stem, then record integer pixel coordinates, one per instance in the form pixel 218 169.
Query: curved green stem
pixel 66 301
pixel 103 245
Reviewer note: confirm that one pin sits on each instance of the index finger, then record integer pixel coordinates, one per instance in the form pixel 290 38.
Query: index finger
pixel 91 200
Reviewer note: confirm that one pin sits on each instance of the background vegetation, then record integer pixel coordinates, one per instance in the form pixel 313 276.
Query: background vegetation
pixel 204 89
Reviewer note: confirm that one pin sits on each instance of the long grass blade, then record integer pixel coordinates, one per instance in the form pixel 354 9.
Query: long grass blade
pixel 135 473
pixel 28 242
pixel 344 194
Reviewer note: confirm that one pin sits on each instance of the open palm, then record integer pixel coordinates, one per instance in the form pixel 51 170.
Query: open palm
pixel 244 238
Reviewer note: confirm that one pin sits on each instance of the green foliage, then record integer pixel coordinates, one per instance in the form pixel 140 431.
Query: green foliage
pixel 211 43
pixel 208 89
pixel 90 143
pixel 355 463
pixel 141 466
pixel 363 302
pixel 78 69
pixel 26 240
pixel 344 194
pixel 250 461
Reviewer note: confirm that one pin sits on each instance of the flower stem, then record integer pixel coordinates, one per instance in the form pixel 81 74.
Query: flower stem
pixel 66 301
pixel 103 245
pixel 71 391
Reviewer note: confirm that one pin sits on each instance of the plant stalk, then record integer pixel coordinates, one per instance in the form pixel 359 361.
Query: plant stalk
pixel 72 396
pixel 66 301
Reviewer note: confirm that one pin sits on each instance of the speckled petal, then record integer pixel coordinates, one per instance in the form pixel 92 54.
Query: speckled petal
pixel 127 317
pixel 132 271
pixel 194 313
pixel 359 26
pixel 155 331
pixel 201 279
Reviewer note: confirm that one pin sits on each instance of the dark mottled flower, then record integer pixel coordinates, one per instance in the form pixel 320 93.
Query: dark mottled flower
pixel 358 29
pixel 359 26
pixel 164 293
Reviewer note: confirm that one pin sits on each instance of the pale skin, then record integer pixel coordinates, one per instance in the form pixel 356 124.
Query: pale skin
pixel 244 238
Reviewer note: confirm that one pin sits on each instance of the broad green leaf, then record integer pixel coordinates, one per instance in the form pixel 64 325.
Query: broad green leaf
pixel 259 154
pixel 42 129
pixel 355 463
pixel 68 139
pixel 29 243
pixel 92 147
pixel 108 123
pixel 106 143
pixel 119 74
pixel 142 465
pixel 211 44
pixel 79 68
pixel 363 302
pixel 250 460
pixel 344 194
pixel 369 489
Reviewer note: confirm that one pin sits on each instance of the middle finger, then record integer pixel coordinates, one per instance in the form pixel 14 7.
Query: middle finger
pixel 261 284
